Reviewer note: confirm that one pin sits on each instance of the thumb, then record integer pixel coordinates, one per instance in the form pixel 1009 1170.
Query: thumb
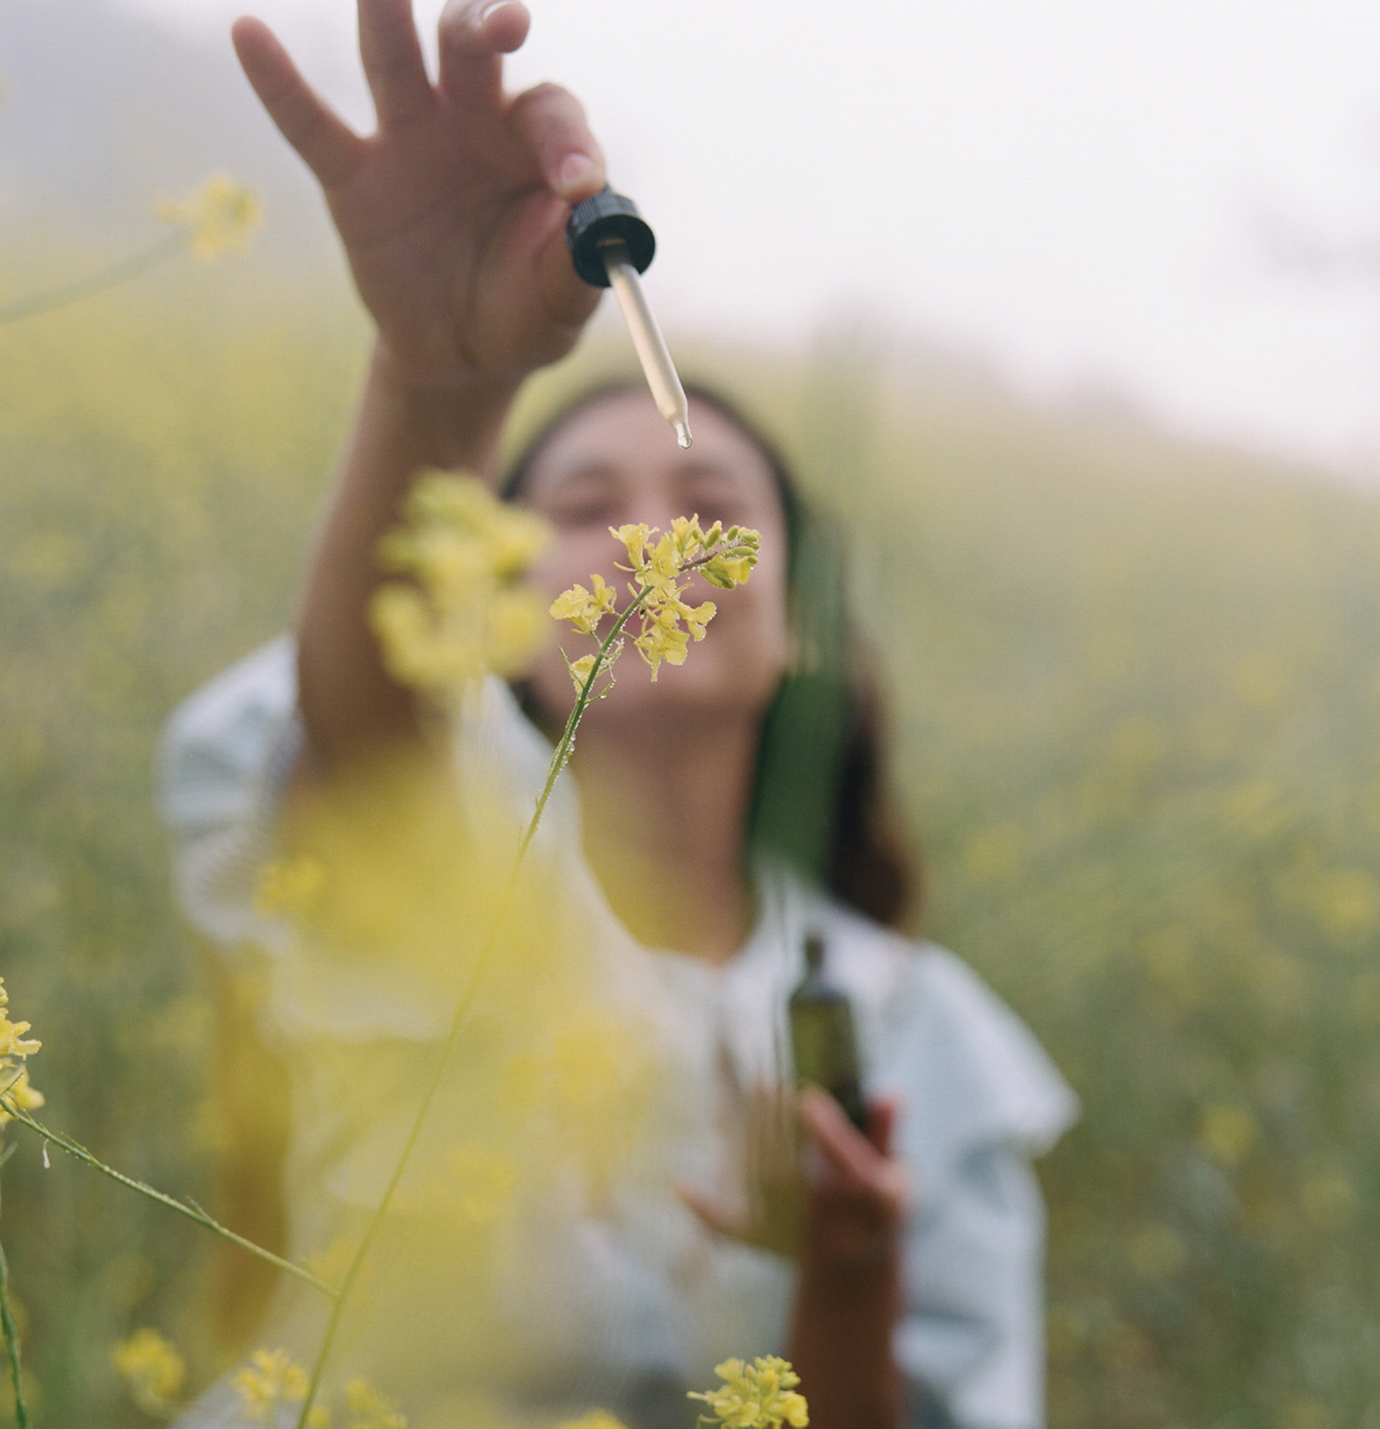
pixel 707 1211
pixel 881 1123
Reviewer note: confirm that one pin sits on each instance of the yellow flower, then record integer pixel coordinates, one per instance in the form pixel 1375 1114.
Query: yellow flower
pixel 634 538
pixel 271 1378
pixel 15 1089
pixel 221 214
pixel 663 565
pixel 663 639
pixel 152 1369
pixel 761 1395
pixel 369 1409
pixel 464 609
pixel 584 609
pixel 595 1419
pixel 696 617
pixel 1227 1132
pixel 727 571
pixel 12 1043
pixel 579 671
pixel 513 629
pixel 291 886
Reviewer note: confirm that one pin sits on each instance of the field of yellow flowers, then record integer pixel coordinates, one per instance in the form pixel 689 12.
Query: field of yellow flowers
pixel 1135 693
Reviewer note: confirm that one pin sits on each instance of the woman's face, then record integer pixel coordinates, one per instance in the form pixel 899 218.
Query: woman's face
pixel 616 462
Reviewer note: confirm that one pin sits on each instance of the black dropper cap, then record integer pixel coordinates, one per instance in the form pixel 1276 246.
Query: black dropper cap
pixel 607 215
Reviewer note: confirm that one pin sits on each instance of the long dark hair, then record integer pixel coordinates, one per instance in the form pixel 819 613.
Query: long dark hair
pixel 820 802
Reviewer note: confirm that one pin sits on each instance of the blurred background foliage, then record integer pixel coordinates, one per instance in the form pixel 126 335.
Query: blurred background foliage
pixel 1134 685
pixel 1134 692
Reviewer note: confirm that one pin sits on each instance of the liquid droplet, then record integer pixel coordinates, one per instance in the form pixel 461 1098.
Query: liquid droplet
pixel 683 436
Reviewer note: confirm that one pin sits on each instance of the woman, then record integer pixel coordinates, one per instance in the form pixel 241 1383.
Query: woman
pixel 914 1294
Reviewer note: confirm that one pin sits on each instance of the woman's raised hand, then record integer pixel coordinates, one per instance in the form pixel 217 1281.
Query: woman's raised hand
pixel 453 213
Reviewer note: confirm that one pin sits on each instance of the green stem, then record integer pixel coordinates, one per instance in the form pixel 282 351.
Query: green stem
pixel 559 758
pixel 11 1333
pixel 133 267
pixel 191 1212
pixel 565 746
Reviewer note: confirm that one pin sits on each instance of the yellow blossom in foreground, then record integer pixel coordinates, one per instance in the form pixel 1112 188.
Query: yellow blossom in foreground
pixel 222 216
pixel 464 608
pixel 369 1409
pixel 662 565
pixel 761 1395
pixel 152 1369
pixel 580 669
pixel 15 1089
pixel 291 886
pixel 270 1379
pixel 586 608
pixel 12 1043
pixel 595 1419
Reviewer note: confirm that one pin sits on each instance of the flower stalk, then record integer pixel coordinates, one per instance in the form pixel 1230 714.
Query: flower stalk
pixel 559 758
pixel 217 217
pixel 662 569
pixel 190 1210
pixel 11 1336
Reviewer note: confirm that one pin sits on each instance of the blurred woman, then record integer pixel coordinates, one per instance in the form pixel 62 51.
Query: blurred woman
pixel 724 811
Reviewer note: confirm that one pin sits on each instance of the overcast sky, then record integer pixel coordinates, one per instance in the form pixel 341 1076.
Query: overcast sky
pixel 1079 190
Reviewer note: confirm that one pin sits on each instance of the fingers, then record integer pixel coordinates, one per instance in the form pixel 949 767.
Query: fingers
pixel 393 62
pixel 858 1179
pixel 328 146
pixel 709 1213
pixel 845 1149
pixel 881 1123
pixel 552 123
pixel 474 35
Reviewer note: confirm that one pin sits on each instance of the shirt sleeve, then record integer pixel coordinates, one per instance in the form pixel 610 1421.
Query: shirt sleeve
pixel 224 761
pixel 979 1099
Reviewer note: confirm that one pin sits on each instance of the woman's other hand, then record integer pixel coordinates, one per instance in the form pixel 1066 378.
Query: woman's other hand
pixel 841 1206
pixel 453 213
pixel 857 1191
pixel 816 1187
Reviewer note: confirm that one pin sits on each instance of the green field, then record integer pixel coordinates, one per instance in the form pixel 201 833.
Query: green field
pixel 1135 690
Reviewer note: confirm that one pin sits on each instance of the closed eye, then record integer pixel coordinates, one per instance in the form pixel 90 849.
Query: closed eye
pixel 591 496
pixel 591 510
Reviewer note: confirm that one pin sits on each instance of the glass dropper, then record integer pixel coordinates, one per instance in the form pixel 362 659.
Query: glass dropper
pixel 647 341
pixel 610 244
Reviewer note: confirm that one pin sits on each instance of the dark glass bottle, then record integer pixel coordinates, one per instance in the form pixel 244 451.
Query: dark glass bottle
pixel 823 1041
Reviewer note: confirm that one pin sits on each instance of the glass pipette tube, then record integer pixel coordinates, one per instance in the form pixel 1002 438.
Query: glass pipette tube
pixel 647 340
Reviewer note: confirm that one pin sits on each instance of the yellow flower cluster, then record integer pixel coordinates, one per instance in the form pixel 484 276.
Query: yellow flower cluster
pixel 465 609
pixel 152 1369
pixel 272 1379
pixel 761 1395
pixel 291 887
pixel 222 216
pixel 595 1419
pixel 14 1075
pixel 368 1409
pixel 662 565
